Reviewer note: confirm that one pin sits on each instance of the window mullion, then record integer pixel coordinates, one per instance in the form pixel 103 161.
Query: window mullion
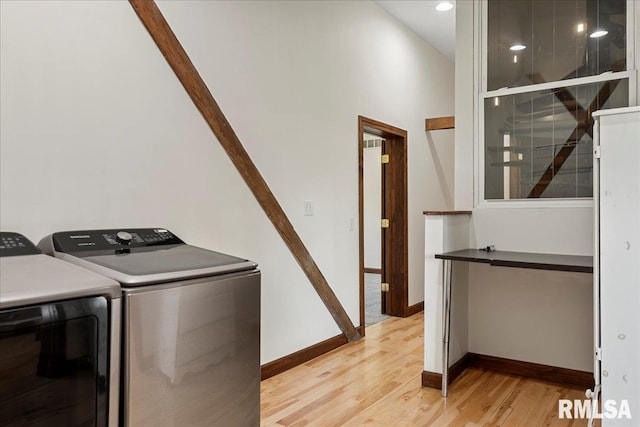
pixel 620 75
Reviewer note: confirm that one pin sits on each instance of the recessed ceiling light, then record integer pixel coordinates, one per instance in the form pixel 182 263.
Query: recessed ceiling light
pixel 580 28
pixel 443 6
pixel 517 47
pixel 598 33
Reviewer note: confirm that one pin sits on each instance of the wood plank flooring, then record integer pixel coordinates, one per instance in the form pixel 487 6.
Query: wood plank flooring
pixel 376 382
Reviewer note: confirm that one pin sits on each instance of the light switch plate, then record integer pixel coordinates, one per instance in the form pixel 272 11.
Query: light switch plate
pixel 308 208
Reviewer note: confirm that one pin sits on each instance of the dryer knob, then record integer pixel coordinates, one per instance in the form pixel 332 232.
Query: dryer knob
pixel 123 237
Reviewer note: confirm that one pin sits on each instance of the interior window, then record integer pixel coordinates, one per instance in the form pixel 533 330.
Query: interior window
pixel 538 140
pixel 538 41
pixel 539 144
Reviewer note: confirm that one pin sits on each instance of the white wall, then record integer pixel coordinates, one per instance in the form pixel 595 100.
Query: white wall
pixel 533 315
pixel 465 87
pixel 372 177
pixel 445 233
pixel 97 132
pixel 527 308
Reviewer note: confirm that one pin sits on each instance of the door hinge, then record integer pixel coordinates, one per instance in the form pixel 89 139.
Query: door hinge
pixel 384 287
pixel 598 353
pixel 384 158
pixel 596 151
pixel 384 223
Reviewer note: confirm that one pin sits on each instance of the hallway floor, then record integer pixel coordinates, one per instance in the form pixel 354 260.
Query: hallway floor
pixel 372 308
pixel 376 381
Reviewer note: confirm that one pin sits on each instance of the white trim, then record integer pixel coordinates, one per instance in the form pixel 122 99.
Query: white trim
pixel 631 36
pixel 633 21
pixel 596 259
pixel 536 203
pixel 479 73
pixel 610 111
pixel 633 87
pixel 609 75
pixel 479 141
pixel 483 17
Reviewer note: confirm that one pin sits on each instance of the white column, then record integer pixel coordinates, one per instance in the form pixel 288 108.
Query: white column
pixel 444 232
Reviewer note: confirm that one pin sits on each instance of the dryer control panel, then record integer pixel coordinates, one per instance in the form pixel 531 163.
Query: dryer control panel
pixel 13 244
pixel 116 239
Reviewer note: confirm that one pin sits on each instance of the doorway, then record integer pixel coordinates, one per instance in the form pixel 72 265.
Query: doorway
pixel 393 218
pixel 372 196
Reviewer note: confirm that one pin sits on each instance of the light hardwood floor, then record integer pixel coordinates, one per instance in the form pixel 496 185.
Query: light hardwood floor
pixel 376 382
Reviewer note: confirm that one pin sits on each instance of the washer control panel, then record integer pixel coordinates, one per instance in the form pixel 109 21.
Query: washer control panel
pixel 118 239
pixel 13 244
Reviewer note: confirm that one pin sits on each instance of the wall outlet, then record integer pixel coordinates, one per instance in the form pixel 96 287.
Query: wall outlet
pixel 308 208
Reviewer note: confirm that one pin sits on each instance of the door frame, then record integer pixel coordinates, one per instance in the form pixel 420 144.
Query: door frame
pixel 397 148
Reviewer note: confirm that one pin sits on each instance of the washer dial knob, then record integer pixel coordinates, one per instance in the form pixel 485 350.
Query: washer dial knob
pixel 123 237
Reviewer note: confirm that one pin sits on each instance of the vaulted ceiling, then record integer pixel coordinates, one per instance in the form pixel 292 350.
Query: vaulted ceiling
pixel 437 28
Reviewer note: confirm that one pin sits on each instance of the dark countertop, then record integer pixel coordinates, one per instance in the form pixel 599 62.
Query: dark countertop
pixel 446 212
pixel 538 261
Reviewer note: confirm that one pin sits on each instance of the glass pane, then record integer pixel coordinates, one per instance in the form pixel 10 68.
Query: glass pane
pixel 49 374
pixel 557 40
pixel 539 144
pixel 53 364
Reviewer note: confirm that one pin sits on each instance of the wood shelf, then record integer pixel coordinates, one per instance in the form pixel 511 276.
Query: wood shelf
pixel 439 123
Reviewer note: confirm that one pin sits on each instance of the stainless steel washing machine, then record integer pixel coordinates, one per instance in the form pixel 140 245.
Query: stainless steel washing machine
pixel 191 319
pixel 59 340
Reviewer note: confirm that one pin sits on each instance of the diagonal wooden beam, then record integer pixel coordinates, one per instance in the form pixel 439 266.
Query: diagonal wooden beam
pixel 167 42
pixel 584 125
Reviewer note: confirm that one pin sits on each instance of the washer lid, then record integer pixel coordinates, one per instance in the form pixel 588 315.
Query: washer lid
pixel 167 264
pixel 140 256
